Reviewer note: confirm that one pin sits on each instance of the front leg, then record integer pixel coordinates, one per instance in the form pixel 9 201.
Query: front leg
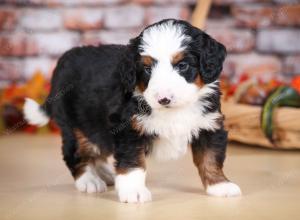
pixel 131 168
pixel 209 151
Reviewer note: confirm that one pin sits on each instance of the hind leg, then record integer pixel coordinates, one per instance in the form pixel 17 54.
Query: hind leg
pixel 89 181
pixel 80 156
pixel 106 170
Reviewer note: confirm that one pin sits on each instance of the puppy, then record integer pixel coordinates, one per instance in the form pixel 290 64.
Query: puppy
pixel 116 104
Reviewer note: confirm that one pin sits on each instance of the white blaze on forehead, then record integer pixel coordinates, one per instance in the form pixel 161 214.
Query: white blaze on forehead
pixel 164 40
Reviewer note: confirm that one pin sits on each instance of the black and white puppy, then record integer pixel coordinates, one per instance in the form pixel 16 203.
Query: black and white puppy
pixel 157 95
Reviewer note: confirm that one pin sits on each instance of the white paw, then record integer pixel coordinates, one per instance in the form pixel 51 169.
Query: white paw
pixel 139 195
pixel 224 189
pixel 90 182
pixel 131 187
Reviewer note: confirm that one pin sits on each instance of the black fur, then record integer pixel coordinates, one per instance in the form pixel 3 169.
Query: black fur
pixel 211 54
pixel 128 66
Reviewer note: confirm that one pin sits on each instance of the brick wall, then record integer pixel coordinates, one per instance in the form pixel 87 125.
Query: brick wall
pixel 262 36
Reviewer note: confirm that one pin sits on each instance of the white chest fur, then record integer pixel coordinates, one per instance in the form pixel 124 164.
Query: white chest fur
pixel 176 127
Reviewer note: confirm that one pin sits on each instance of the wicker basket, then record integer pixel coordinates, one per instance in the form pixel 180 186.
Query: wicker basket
pixel 243 123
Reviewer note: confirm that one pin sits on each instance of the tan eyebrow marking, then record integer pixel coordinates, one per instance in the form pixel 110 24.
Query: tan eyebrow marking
pixel 177 57
pixel 147 60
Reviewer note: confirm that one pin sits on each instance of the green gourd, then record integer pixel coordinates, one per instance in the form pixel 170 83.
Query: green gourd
pixel 282 96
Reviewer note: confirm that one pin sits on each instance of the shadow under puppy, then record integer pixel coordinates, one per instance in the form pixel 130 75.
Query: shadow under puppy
pixel 116 104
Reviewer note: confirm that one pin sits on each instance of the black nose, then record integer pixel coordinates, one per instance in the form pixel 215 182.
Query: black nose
pixel 164 101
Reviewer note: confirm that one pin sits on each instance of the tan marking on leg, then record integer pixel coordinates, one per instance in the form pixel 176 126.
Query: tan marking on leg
pixel 85 147
pixel 86 151
pixel 209 170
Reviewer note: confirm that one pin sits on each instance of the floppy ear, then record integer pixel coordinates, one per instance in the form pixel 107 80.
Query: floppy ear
pixel 128 66
pixel 211 57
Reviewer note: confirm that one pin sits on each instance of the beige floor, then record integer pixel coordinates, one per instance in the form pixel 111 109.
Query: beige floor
pixel 35 184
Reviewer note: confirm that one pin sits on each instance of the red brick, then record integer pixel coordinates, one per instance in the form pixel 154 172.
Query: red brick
pixel 109 37
pixel 155 14
pixel 264 66
pixel 164 2
pixel 33 64
pixel 234 40
pixel 92 2
pixel 128 16
pixel 41 19
pixel 175 2
pixel 56 43
pixel 83 19
pixel 66 2
pixel 253 16
pixel 217 23
pixel 286 1
pixel 17 45
pixel 11 69
pixel 23 2
pixel 226 2
pixel 279 41
pixel 143 2
pixel 288 15
pixel 8 19
pixel 291 65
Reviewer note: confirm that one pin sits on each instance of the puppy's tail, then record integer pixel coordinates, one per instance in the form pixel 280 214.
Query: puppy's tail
pixel 36 114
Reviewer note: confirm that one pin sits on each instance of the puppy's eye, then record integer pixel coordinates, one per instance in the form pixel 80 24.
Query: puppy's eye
pixel 183 66
pixel 147 70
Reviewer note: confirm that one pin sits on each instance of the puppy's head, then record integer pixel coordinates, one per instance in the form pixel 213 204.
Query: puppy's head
pixel 170 62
